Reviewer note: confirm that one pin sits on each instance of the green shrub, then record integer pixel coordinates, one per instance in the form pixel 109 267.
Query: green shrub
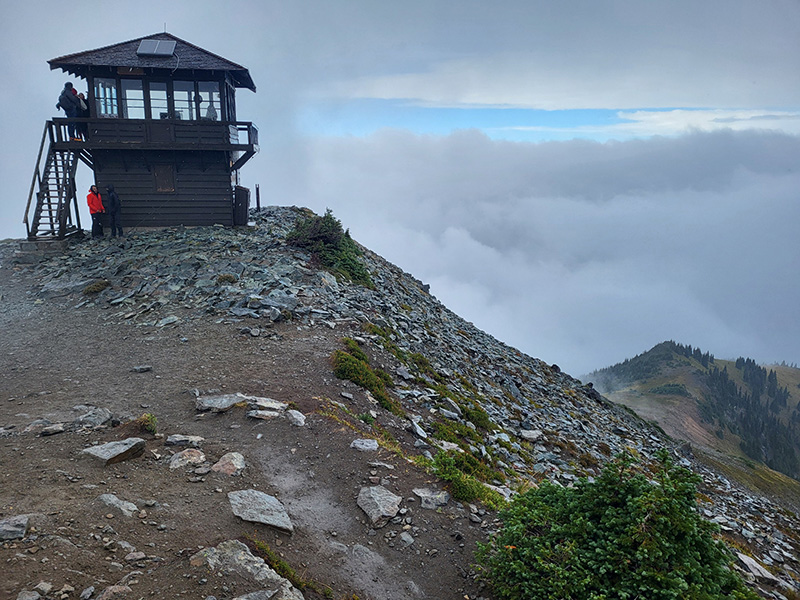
pixel 148 422
pixel 331 246
pixel 618 537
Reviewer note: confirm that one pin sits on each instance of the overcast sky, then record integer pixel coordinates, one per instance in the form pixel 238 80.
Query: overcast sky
pixel 581 179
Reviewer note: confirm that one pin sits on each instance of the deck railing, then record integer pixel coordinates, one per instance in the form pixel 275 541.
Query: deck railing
pixel 172 133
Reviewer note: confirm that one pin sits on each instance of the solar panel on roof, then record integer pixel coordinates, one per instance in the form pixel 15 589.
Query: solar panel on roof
pixel 156 48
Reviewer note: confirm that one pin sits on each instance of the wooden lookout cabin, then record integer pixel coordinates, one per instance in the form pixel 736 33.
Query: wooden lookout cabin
pixel 162 128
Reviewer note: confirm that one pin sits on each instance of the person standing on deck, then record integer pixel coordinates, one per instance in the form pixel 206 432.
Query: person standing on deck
pixel 71 105
pixel 96 209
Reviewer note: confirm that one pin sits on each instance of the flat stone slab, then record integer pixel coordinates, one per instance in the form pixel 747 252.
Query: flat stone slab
pixel 258 507
pixel 96 416
pixel 531 435
pixel 126 508
pixel 363 445
pixel 432 499
pixel 192 456
pixel 219 403
pixel 193 441
pixel 258 403
pixel 756 568
pixel 114 452
pixel 53 429
pixel 231 463
pixel 14 528
pixel 264 415
pixel 379 503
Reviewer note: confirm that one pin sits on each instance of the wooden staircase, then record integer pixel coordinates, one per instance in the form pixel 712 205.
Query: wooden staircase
pixel 54 215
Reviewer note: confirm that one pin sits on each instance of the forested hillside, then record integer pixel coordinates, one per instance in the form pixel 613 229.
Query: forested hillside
pixel 741 401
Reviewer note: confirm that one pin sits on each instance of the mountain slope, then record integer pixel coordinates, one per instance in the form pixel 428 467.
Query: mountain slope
pixel 734 407
pixel 214 310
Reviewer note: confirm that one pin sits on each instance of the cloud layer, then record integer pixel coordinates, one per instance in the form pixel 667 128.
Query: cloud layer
pixel 583 253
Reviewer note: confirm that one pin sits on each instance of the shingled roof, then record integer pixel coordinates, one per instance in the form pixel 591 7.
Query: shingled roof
pixel 186 56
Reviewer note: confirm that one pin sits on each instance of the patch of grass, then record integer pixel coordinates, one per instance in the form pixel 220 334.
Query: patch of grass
pixel 352 368
pixel 284 569
pixel 478 417
pixel 354 349
pixel 386 341
pixel 464 486
pixel 453 432
pixel 331 246
pixel 96 287
pixel 366 418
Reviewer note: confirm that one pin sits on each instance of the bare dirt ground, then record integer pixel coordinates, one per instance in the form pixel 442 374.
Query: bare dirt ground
pixel 54 357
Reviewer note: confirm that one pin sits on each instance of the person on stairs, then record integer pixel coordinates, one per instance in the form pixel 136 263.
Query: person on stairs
pixel 96 209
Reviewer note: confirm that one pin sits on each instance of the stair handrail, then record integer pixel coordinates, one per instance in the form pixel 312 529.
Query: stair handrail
pixel 37 177
pixel 63 216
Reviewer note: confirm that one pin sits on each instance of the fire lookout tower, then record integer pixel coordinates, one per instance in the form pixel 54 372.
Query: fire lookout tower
pixel 161 128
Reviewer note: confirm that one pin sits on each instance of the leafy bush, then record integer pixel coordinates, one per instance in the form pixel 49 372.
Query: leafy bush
pixel 331 246
pixel 619 537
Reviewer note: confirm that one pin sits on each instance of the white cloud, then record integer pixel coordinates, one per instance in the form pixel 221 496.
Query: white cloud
pixel 582 253
pixel 646 123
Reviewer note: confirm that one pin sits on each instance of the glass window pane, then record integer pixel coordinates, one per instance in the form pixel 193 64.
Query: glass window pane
pixel 159 108
pixel 105 97
pixel 132 99
pixel 184 105
pixel 210 106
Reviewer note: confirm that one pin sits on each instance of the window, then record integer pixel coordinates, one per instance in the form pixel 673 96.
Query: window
pixel 132 99
pixel 210 106
pixel 105 97
pixel 159 107
pixel 184 100
pixel 165 178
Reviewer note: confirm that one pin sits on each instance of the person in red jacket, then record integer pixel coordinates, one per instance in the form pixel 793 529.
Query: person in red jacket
pixel 96 209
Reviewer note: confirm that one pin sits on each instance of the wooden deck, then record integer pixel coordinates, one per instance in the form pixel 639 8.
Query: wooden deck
pixel 143 134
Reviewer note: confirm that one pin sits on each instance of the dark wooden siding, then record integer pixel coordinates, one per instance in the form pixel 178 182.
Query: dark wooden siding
pixel 203 192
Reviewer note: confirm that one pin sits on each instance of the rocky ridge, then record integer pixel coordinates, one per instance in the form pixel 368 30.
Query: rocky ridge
pixel 542 422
